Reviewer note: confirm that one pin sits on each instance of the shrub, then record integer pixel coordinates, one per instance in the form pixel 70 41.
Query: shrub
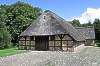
pixel 98 44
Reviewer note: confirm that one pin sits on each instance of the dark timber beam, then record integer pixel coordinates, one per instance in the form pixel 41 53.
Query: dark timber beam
pixel 54 42
pixel 30 43
pixel 25 44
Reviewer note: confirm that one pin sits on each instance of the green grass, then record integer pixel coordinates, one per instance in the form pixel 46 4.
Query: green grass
pixel 8 52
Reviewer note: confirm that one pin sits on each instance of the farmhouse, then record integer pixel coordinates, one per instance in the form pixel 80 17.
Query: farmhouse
pixel 51 32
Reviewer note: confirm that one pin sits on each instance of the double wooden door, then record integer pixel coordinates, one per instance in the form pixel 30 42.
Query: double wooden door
pixel 41 43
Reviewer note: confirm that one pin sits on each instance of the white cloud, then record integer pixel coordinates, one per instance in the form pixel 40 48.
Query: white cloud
pixel 89 15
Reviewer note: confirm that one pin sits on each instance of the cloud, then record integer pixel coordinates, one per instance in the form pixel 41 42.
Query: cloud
pixel 89 15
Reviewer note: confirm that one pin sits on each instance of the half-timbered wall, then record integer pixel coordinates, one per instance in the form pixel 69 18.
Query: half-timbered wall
pixel 27 43
pixel 61 43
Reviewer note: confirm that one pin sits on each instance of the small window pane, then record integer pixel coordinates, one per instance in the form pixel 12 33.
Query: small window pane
pixel 28 47
pixel 22 47
pixel 57 43
pixel 64 43
pixel 27 42
pixel 21 42
pixel 70 43
pixel 51 43
pixel 33 43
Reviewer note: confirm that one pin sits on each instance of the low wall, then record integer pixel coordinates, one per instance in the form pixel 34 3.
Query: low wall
pixel 79 48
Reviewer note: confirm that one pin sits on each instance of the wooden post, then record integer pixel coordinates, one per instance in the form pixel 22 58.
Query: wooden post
pixel 54 43
pixel 67 45
pixel 61 44
pixel 30 43
pixel 25 43
pixel 61 37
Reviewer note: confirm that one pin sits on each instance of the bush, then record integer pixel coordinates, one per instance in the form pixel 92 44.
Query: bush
pixel 98 44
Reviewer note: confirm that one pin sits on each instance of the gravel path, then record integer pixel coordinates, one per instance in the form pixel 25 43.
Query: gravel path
pixel 90 56
pixel 26 59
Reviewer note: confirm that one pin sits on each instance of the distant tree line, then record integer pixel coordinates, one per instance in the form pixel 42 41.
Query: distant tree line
pixel 95 25
pixel 76 23
pixel 14 19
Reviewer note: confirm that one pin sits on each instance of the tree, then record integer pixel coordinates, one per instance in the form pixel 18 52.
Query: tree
pixel 5 38
pixel 97 24
pixel 76 23
pixel 89 24
pixel 97 29
pixel 19 16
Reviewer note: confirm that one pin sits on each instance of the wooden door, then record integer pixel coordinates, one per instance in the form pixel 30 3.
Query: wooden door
pixel 41 43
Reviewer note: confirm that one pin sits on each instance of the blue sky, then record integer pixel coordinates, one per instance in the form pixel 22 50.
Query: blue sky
pixel 64 8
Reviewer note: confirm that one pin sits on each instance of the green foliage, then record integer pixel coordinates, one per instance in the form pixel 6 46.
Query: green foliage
pixel 17 17
pixel 76 23
pixel 89 24
pixel 98 44
pixel 97 24
pixel 5 38
pixel 14 19
pixel 97 29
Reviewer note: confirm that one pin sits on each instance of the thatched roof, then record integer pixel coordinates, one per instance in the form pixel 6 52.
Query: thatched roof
pixel 48 23
pixel 89 33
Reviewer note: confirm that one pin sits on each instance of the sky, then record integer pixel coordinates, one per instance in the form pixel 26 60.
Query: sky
pixel 83 10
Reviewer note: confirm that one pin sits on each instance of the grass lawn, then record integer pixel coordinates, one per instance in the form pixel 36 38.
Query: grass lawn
pixel 8 52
